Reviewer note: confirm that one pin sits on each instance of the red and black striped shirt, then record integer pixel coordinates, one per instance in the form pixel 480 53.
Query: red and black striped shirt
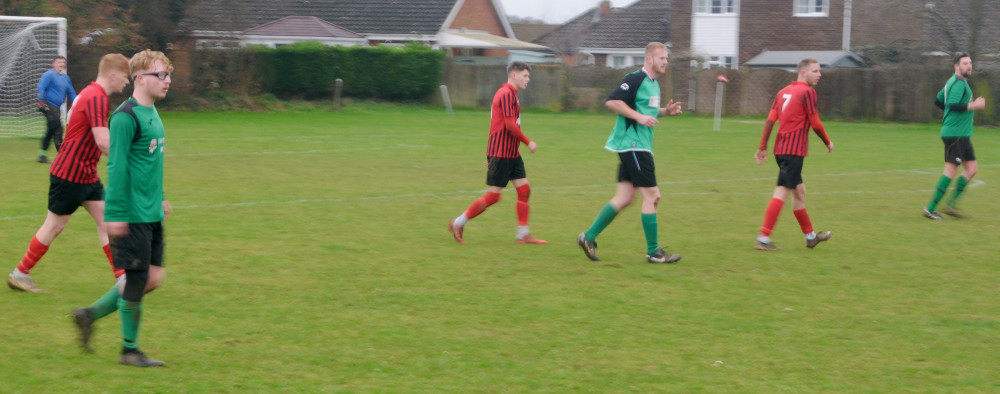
pixel 505 125
pixel 794 106
pixel 78 155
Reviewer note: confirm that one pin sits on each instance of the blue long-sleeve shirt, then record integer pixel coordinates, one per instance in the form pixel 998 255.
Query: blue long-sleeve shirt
pixel 54 87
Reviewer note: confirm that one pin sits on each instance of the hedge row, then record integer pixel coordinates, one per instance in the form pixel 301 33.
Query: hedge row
pixel 310 69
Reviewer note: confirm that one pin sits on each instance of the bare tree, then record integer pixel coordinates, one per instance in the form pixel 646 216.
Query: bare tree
pixel 958 25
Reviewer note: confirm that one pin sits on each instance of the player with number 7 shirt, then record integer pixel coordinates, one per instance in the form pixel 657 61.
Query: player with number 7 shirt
pixel 794 109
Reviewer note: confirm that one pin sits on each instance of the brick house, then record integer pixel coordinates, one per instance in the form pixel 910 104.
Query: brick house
pixel 612 37
pixel 465 29
pixel 223 23
pixel 731 32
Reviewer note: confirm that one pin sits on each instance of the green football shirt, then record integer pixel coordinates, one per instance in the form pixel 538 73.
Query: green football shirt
pixel 642 94
pixel 956 123
pixel 135 166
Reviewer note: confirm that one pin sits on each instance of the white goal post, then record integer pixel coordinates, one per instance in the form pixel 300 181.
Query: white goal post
pixel 27 47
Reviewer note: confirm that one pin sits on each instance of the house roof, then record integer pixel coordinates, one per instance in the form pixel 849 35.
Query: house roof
pixel 791 59
pixel 531 31
pixel 424 17
pixel 633 26
pixel 481 39
pixel 301 26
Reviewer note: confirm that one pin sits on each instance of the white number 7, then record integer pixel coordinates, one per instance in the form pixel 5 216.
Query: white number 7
pixel 787 98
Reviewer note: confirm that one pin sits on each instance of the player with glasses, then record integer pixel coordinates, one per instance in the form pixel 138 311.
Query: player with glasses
pixel 135 205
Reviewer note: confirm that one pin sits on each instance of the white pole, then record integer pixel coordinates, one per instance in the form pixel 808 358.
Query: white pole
pixel 718 106
pixel 693 86
pixel 62 36
pixel 446 98
pixel 847 26
pixel 338 88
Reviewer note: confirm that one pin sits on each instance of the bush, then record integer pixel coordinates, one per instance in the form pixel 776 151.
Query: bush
pixel 308 70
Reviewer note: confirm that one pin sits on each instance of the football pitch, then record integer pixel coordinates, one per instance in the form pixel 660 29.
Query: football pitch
pixel 308 252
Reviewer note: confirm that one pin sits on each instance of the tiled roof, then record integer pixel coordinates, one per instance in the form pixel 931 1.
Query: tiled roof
pixel 530 31
pixel 791 59
pixel 301 26
pixel 630 27
pixel 360 16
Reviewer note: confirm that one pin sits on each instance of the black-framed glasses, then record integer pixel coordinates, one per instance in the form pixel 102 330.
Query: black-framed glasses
pixel 162 75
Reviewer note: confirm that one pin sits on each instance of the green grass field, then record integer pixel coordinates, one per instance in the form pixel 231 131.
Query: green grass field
pixel 308 253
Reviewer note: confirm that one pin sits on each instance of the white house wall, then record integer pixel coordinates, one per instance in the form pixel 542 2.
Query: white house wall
pixel 716 35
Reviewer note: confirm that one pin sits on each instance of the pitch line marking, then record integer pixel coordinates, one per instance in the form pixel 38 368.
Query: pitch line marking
pixel 555 189
pixel 300 152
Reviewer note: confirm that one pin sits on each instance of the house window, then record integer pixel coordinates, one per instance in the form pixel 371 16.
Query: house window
pixel 624 61
pixel 720 61
pixel 812 7
pixel 715 6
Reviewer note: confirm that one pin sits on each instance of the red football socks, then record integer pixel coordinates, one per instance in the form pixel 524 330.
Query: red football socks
pixel 35 252
pixel 107 252
pixel 804 222
pixel 771 216
pixel 523 193
pixel 480 205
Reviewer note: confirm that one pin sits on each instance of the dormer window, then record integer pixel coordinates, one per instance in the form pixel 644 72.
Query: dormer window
pixel 812 8
pixel 715 6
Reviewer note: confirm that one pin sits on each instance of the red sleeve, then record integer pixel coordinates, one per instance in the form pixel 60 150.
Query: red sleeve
pixel 511 112
pixel 97 111
pixel 817 126
pixel 511 125
pixel 768 126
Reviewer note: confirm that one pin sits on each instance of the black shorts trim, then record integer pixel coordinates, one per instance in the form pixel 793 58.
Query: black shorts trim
pixel 65 196
pixel 789 170
pixel 501 170
pixel 140 248
pixel 958 149
pixel 638 168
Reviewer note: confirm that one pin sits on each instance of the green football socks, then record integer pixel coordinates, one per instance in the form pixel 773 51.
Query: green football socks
pixel 649 227
pixel 939 190
pixel 105 305
pixel 130 313
pixel 959 188
pixel 604 218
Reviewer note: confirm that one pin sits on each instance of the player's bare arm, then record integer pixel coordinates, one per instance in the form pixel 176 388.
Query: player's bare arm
pixel 761 156
pixel 623 109
pixel 102 138
pixel 672 109
pixel 978 103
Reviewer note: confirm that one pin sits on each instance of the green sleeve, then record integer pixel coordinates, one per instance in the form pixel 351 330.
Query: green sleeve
pixel 116 199
pixel 956 94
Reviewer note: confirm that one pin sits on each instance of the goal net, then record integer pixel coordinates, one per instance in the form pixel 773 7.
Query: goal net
pixel 27 47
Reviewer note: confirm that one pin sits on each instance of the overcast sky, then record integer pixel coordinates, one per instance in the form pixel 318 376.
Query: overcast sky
pixel 554 11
